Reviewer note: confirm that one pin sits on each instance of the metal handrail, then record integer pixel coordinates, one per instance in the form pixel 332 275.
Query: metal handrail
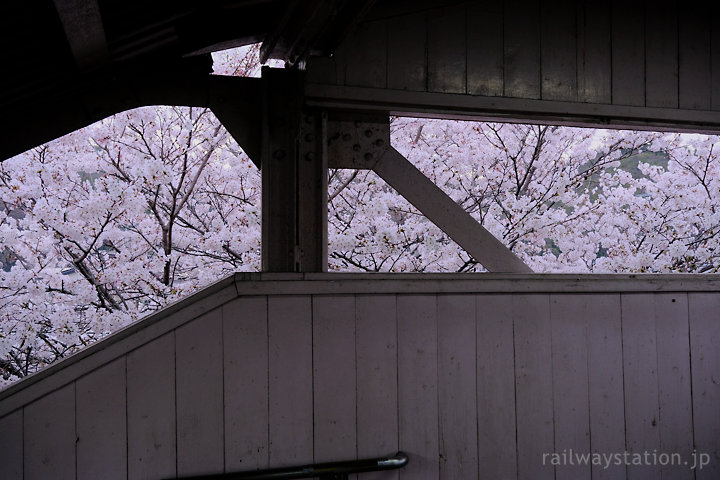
pixel 332 470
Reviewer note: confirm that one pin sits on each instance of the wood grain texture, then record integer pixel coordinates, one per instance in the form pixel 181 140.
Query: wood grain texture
pixel 715 65
pixel 377 379
pixel 151 409
pixel 521 48
pixel 695 57
pixel 446 50
pixel 674 381
pixel 341 58
pixel 661 55
pixel 366 56
pixel 101 423
pixel 407 53
pixel 245 339
pixel 334 390
pixel 117 345
pixel 628 53
pixel 484 49
pixel 11 445
pixel 641 382
pixel 322 70
pixel 558 55
pixel 49 436
pixel 418 385
pixel 594 52
pixel 457 393
pixel 705 357
pixel 199 378
pixel 605 381
pixel 290 380
pixel 497 448
pixel 570 380
pixel 533 385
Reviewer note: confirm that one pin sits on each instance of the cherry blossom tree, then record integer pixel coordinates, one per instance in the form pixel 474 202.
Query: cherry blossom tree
pixel 112 222
pixel 528 184
pixel 116 220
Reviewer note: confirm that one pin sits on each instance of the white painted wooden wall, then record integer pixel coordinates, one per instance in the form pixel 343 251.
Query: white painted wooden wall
pixel 472 376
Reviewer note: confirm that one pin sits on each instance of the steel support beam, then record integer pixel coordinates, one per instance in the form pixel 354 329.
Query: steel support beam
pixel 504 109
pixel 311 28
pixel 84 31
pixel 235 100
pixel 444 212
pixel 294 178
pixel 364 143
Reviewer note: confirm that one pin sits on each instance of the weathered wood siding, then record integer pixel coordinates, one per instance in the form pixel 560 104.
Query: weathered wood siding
pixel 472 378
pixel 621 63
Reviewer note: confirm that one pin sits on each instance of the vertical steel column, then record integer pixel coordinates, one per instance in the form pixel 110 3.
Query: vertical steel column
pixel 294 178
pixel 312 172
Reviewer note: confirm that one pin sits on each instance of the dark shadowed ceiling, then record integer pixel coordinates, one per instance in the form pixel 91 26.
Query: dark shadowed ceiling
pixel 67 63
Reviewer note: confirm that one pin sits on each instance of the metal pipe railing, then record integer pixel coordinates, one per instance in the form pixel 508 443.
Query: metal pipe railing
pixel 326 471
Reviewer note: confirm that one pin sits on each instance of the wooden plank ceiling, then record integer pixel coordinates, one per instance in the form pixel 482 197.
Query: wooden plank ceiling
pixel 68 63
pixel 620 64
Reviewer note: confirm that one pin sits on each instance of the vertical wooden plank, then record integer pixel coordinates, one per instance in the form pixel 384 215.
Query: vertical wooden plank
pixel 568 314
pixel 559 50
pixel 715 68
pixel 322 70
pixel 334 378
pixel 533 386
pixel 705 358
pixel 290 380
pixel 101 423
pixel 628 53
pixel 497 448
pixel 594 52
pixel 675 401
pixel 695 57
pixel 661 55
pixel 199 375
pixel 446 50
pixel 605 381
pixel 407 59
pixel 377 379
pixel 457 394
pixel 245 339
pixel 341 60
pixel 151 409
pixel 11 445
pixel 641 382
pixel 49 436
pixel 484 49
pixel 521 20
pixel 366 57
pixel 417 385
